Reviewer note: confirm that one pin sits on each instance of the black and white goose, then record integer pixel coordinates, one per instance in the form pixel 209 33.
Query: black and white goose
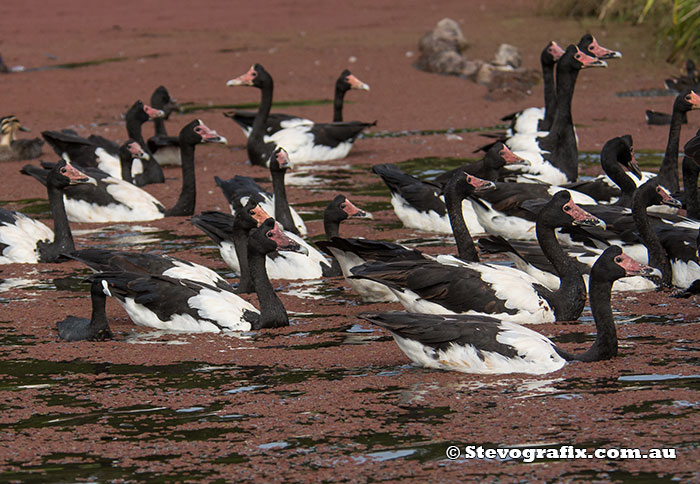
pixel 534 120
pixel 230 233
pixel 103 260
pixel 26 240
pixel 114 200
pixel 485 345
pixel 503 292
pixel 538 121
pixel 102 153
pixel 664 241
pixel 685 102
pixel 352 252
pixel 165 149
pixel 419 204
pixel 668 171
pixel 529 258
pixel 278 121
pixel 554 160
pixel 691 171
pixel 497 160
pixel 535 123
pixel 504 211
pixel 224 229
pixel 74 328
pixel 615 185
pixel 184 305
pixel 238 189
pixel 304 143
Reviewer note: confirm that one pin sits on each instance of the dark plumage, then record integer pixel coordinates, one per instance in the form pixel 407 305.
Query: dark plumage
pixel 97 328
pixel 481 344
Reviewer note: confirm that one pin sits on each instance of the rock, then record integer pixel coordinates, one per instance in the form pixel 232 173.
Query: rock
pixel 441 52
pixel 508 55
pixel 447 62
pixel 470 68
pixel 442 47
pixel 485 73
pixel 512 85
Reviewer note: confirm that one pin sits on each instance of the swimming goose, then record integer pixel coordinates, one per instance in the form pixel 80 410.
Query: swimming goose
pixel 555 158
pixel 533 120
pixel 485 345
pixel 73 328
pixel 533 123
pixel 614 185
pixel 419 204
pixel 304 143
pixel 114 200
pixel 352 252
pixel 103 260
pixel 239 188
pixel 664 241
pixel 278 121
pixel 95 150
pixel 479 288
pixel 185 305
pixel 26 240
pixel 228 231
pixel 165 149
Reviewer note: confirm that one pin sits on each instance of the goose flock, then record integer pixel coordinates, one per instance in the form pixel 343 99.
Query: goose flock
pixel 570 240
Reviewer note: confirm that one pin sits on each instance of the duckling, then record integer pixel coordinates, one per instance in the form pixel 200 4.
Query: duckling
pixel 13 149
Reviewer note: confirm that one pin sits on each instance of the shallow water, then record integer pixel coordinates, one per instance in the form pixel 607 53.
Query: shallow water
pixel 203 403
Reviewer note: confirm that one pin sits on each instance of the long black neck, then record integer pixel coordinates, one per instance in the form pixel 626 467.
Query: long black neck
pixel 240 243
pixel 126 163
pixel 283 213
pixel 188 195
pixel 605 345
pixel 159 125
pixel 488 168
pixel 260 152
pixel 569 300
pixel 668 171
pixel 561 141
pixel 550 97
pixel 257 132
pixel 338 104
pixel 152 172
pixel 617 174
pixel 63 238
pixel 134 131
pixel 691 170
pixel 465 244
pixel 272 312
pixel 656 252
pixel 331 226
pixel 98 321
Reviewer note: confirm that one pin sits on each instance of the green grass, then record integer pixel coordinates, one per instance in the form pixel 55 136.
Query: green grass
pixel 675 23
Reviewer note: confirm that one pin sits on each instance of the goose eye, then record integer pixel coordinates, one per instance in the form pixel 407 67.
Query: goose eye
pixel 567 208
pixel 342 205
pixel 251 212
pixel 269 234
pixel 618 259
pixel 63 170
